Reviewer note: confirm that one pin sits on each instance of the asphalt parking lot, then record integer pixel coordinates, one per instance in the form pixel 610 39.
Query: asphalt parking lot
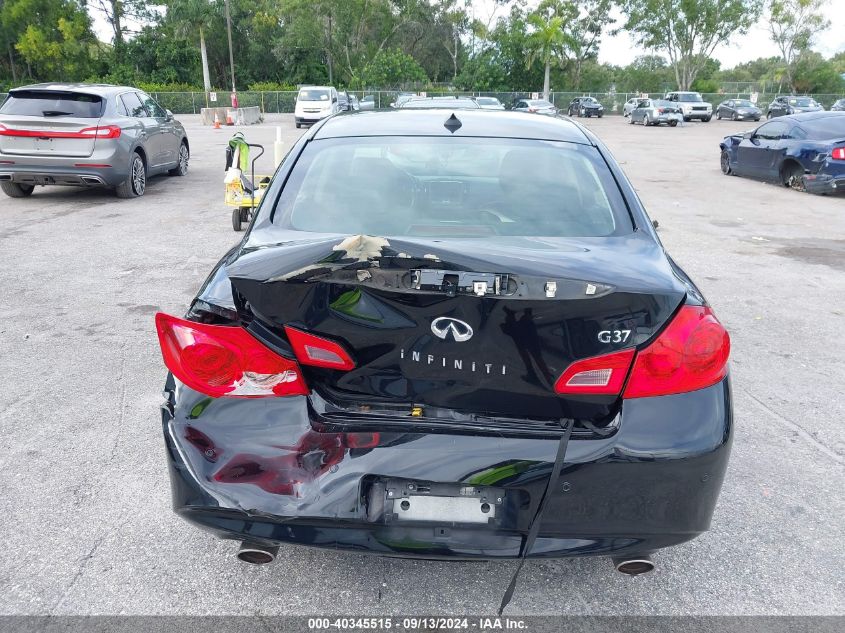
pixel 84 491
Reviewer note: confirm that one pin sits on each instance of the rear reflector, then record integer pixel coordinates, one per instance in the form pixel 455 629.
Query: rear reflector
pixel 690 354
pixel 838 153
pixel 599 375
pixel 91 165
pixel 318 351
pixel 219 360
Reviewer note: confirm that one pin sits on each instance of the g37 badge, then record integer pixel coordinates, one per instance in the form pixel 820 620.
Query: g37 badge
pixel 614 336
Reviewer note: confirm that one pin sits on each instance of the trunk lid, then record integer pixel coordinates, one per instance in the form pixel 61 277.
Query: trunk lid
pixel 47 123
pixel 476 326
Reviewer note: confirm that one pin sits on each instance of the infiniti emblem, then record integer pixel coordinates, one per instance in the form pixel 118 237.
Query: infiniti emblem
pixel 443 326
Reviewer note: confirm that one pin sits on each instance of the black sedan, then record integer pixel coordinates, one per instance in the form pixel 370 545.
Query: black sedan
pixel 738 110
pixel 448 334
pixel 782 106
pixel 586 107
pixel 802 151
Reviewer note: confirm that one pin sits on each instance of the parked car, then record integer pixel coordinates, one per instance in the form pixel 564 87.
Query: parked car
pixel 629 105
pixel 655 112
pixel 354 104
pixel 585 107
pixel 838 106
pixel 455 103
pixel 401 98
pixel 343 101
pixel 368 102
pixel 804 151
pixel 537 106
pixel 405 356
pixel 692 105
pixel 782 106
pixel 87 135
pixel 738 110
pixel 314 103
pixel 489 103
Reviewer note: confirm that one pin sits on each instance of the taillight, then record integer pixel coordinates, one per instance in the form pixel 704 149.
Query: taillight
pixel 838 153
pixel 599 375
pixel 220 360
pixel 106 131
pixel 660 110
pixel 318 351
pixel 532 109
pixel 691 353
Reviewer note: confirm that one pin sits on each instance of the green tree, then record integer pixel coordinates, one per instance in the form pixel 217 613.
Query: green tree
pixel 52 37
pixel 792 26
pixel 584 23
pixel 392 69
pixel 688 31
pixel 546 39
pixel 647 73
pixel 812 73
pixel 194 16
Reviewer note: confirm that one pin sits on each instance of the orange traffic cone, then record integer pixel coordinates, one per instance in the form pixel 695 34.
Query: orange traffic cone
pixel 216 121
pixel 229 119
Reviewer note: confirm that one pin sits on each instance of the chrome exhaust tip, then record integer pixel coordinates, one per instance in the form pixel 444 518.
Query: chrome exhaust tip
pixel 256 554
pixel 634 566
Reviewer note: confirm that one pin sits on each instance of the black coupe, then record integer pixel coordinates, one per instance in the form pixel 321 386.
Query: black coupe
pixel 448 334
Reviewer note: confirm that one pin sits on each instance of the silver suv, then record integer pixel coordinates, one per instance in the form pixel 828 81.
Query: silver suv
pixel 691 105
pixel 87 135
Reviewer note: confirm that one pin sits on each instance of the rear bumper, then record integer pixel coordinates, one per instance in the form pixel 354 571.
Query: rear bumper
pixel 92 171
pixel 822 183
pixel 257 470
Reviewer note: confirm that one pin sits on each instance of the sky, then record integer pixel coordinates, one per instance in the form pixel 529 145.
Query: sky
pixel 620 50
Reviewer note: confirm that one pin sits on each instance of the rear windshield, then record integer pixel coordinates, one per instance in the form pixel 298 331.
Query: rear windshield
pixel 452 187
pixel 313 95
pixel 487 101
pixel 541 103
pixel 53 104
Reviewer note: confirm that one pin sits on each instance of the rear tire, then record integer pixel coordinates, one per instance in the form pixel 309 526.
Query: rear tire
pixel 792 176
pixel 136 184
pixel 725 163
pixel 181 168
pixel 15 190
pixel 673 123
pixel 646 121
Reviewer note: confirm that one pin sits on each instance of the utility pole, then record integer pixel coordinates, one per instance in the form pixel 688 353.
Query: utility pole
pixel 229 34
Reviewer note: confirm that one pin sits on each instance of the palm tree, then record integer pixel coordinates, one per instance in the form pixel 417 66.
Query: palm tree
pixel 190 16
pixel 545 42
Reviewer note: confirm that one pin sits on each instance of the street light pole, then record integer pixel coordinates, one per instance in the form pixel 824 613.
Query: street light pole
pixel 229 34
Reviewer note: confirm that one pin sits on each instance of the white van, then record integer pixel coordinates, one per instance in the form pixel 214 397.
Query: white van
pixel 314 103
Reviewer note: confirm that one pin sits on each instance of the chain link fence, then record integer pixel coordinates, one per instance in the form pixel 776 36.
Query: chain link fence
pixel 283 102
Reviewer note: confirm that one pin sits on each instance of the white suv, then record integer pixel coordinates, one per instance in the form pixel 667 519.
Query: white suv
pixel 314 103
pixel 692 105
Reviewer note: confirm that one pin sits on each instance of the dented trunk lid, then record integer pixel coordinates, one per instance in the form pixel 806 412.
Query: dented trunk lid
pixel 478 326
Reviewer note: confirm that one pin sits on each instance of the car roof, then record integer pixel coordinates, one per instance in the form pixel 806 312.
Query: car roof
pixel 98 89
pixel 478 123
pixel 810 116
